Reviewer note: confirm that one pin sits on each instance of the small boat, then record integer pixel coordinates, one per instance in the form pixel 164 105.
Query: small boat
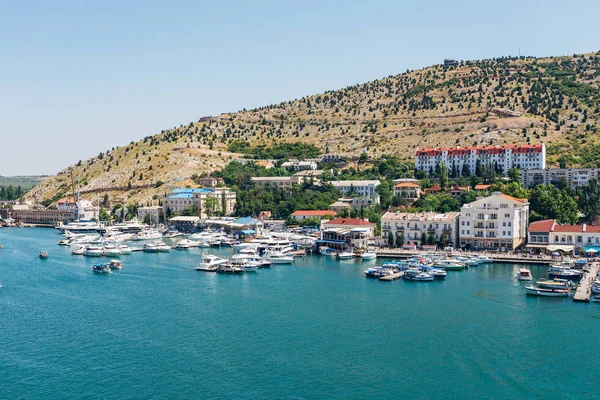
pixel 327 251
pixel 369 255
pixel 150 248
pixel 63 242
pixel 210 263
pixel 556 284
pixel 124 249
pixel 345 255
pixel 115 264
pixel 595 299
pixel 172 234
pixel 148 235
pixel 484 259
pixel 77 250
pixel 564 272
pixel 101 268
pixel 596 288
pixel 111 250
pixel 416 275
pixel 438 273
pixel 538 291
pixel 524 274
pixel 43 254
pixel 278 258
pixel 227 268
pixel 449 265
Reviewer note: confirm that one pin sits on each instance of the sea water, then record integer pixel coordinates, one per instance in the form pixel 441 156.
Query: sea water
pixel 317 329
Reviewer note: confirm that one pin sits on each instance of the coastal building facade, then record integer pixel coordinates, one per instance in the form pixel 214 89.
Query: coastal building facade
pixel 442 228
pixel 574 177
pixel 501 157
pixel 301 215
pixel 550 236
pixel 497 222
pixel 151 215
pixel 41 216
pixel 364 188
pixel 341 233
pixel 180 200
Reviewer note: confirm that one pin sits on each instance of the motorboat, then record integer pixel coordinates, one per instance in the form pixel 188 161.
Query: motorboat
pixel 148 235
pixel 103 268
pixel 115 264
pixel 417 275
pixel 151 247
pixel 228 268
pixel 449 265
pixel 210 263
pixel 172 234
pixel 582 262
pixel 278 258
pixel 183 244
pixel 524 274
pixel 255 258
pixel 111 250
pixel 484 259
pixel 438 273
pixel 93 251
pixel 556 284
pixel 369 255
pixel 538 291
pixel 246 265
pixel 64 242
pixel 564 272
pixel 162 247
pixel 77 250
pixel 81 226
pixel 327 251
pixel 124 249
pixel 596 299
pixel 43 254
pixel 345 255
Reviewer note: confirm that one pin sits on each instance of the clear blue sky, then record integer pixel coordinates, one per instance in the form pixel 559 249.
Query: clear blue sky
pixel 79 77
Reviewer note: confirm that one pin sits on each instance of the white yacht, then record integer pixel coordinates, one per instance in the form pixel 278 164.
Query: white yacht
pixel 78 250
pixel 151 247
pixel 124 249
pixel 163 247
pixel 148 235
pixel 369 255
pixel 210 263
pixel 81 226
pixel 278 258
pixel 183 244
pixel 92 251
pixel 111 250
pixel 345 255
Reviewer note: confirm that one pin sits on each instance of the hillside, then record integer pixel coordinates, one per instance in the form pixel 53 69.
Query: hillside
pixel 552 100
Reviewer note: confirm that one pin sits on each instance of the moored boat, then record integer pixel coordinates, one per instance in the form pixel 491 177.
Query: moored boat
pixel 210 263
pixel 538 291
pixel 524 274
pixel 346 255
pixel 417 275
pixel 369 255
pixel 327 251
pixel 556 283
pixel 278 258
pixel 564 272
pixel 92 251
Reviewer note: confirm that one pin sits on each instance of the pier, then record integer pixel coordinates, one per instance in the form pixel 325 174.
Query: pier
pixel 496 257
pixel 392 277
pixel 584 289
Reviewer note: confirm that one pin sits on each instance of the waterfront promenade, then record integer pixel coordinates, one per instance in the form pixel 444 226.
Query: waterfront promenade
pixel 499 257
pixel 584 288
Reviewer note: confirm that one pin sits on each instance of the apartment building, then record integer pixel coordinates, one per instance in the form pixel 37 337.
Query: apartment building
pixel 496 222
pixel 574 177
pixel 550 236
pixel 362 188
pixel 411 226
pixel 181 199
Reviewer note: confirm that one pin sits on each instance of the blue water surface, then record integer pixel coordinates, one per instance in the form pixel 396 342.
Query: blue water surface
pixel 319 329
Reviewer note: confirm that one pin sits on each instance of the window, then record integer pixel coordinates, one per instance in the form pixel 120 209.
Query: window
pixel 506 215
pixel 509 223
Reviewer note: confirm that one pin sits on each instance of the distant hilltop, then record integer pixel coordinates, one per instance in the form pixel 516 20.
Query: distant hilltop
pixel 508 100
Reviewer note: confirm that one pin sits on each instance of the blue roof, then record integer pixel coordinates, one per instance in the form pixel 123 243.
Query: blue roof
pixel 180 196
pixel 246 232
pixel 188 191
pixel 246 221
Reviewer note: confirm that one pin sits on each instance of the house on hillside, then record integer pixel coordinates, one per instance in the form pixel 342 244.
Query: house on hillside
pixel 411 191
pixel 306 214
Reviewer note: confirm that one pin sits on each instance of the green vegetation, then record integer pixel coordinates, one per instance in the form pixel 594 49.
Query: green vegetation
pixel 26 182
pixel 277 151
pixel 11 193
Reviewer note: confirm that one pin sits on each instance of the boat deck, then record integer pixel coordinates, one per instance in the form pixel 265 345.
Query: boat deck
pixel 392 277
pixel 584 289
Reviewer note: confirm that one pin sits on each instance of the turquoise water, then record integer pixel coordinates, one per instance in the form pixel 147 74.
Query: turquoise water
pixel 315 330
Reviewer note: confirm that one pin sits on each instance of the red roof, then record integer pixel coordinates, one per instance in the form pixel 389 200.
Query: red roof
pixel 313 213
pixel 482 187
pixel 568 228
pixel 520 148
pixel 542 226
pixel 512 198
pixel 407 185
pixel 349 222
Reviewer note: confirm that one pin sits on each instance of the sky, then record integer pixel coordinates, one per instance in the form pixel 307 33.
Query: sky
pixel 78 78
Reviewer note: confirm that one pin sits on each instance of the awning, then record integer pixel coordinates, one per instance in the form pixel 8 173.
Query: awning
pixel 330 241
pixel 536 246
pixel 560 247
pixel 409 246
pixel 589 249
pixel 245 232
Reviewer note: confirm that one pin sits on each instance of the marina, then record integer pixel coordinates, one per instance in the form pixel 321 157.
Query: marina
pixel 584 289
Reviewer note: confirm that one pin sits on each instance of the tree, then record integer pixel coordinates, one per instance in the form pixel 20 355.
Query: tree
pixel 514 175
pixel 423 238
pixel 210 205
pixel 562 161
pixel 547 202
pixel 363 157
pixel 589 200
pixel 467 196
pixel 390 239
pixel 399 239
pixel 104 215
pixel 465 170
pixel 443 175
pixel 430 239
pixel 443 240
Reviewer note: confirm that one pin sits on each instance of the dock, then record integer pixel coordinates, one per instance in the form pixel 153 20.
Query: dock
pixel 392 277
pixel 584 289
pixel 496 257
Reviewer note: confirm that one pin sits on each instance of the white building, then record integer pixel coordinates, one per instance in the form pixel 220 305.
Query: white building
pixel 362 188
pixel 341 233
pixel 277 182
pixel 550 236
pixel 411 227
pixel 504 157
pixel 152 214
pixel 181 199
pixel 496 222
pixel 81 209
pixel 299 165
pixel 574 177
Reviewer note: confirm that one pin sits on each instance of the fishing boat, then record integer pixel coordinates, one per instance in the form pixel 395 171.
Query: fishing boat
pixel 416 275
pixel 115 264
pixel 101 268
pixel 524 274
pixel 449 265
pixel 564 272
pixel 278 258
pixel 210 263
pixel 538 291
pixel 92 251
pixel 369 255
pixel 327 251
pixel 345 255
pixel 556 283
pixel 43 254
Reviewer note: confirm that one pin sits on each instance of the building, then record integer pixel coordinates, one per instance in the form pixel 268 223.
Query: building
pixel 264 215
pixel 496 222
pixel 210 182
pixel 574 177
pixel 435 189
pixel 307 176
pixel 350 203
pixel 246 226
pixel 41 216
pixel 180 200
pixel 448 62
pixel 151 215
pixel 81 209
pixel 442 228
pixel 275 182
pixel 296 165
pixel 341 233
pixel 548 235
pixel 502 158
pixel 411 191
pixel 306 214
pixel 361 188
pixel 331 158
pixel 185 224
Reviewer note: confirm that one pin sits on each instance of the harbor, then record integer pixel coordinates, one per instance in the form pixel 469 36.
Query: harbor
pixel 584 289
